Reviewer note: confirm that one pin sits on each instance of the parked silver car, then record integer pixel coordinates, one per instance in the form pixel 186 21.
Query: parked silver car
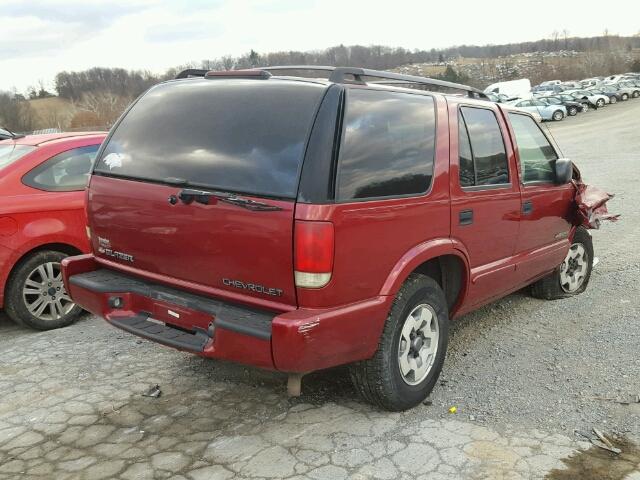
pixel 546 111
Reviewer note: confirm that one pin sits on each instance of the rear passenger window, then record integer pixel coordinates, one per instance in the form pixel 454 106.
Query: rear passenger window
pixel 537 156
pixel 66 172
pixel 388 145
pixel 485 146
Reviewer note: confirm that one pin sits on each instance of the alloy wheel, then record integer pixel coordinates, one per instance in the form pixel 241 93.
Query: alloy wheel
pixel 418 344
pixel 574 268
pixel 44 294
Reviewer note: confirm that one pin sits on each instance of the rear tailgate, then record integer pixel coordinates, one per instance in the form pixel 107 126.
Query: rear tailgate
pixel 198 183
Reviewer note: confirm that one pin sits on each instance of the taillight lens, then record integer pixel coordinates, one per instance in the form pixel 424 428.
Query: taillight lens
pixel 313 253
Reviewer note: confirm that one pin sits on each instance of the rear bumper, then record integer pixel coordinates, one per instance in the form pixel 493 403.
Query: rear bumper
pixel 302 340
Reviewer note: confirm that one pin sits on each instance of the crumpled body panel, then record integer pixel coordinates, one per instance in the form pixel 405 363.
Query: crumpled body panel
pixel 591 203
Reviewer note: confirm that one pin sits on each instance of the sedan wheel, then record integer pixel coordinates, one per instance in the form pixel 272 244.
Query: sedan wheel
pixel 635 94
pixel 558 115
pixel 600 102
pixel 36 296
pixel 44 294
pixel 585 107
pixel 573 111
pixel 613 100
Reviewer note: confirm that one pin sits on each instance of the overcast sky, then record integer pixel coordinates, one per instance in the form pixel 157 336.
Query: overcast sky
pixel 40 38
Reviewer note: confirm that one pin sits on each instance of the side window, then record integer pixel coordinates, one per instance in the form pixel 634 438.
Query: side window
pixel 537 156
pixel 65 172
pixel 490 165
pixel 388 145
pixel 467 170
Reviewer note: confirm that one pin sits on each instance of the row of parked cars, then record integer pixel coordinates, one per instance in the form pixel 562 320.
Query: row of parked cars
pixel 556 100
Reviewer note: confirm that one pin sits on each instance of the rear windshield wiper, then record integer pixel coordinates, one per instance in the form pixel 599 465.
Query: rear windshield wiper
pixel 189 195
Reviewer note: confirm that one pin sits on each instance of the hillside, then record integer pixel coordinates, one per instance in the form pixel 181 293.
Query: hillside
pixel 52 112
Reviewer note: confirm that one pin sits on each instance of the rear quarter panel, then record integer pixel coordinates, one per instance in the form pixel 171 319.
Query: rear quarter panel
pixel 373 237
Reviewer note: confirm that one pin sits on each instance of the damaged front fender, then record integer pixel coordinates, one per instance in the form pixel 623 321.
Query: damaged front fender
pixel 591 205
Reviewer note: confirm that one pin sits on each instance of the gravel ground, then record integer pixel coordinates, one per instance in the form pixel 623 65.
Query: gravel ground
pixel 532 362
pixel 523 373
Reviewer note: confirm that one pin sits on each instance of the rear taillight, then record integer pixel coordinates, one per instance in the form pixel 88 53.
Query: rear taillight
pixel 313 253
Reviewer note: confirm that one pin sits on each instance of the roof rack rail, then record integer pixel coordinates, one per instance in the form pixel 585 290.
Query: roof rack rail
pixel 343 74
pixel 340 75
pixel 191 72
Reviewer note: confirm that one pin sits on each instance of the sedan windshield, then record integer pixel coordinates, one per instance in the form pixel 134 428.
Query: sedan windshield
pixel 10 152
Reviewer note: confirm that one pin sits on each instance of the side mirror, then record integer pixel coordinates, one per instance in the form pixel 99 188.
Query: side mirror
pixel 564 171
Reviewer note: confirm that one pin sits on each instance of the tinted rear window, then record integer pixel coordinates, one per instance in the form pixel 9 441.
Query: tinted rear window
pixel 243 136
pixel 388 147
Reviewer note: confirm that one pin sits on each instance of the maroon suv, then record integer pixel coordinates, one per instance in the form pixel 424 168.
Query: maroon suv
pixel 296 224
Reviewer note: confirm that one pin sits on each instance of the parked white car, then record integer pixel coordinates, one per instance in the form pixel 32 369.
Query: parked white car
pixel 590 82
pixel 546 111
pixel 576 85
pixel 596 98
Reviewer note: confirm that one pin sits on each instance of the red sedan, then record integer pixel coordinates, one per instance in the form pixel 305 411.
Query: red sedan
pixel 42 220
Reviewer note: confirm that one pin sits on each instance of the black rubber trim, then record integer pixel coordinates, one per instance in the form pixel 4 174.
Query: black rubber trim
pixel 141 325
pixel 241 319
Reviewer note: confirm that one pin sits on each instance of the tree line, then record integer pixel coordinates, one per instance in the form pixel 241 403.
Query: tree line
pixel 99 95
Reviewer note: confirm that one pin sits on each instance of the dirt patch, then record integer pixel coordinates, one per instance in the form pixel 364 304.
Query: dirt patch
pixel 598 464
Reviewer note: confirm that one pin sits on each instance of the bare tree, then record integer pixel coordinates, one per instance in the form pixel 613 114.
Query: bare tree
pixel 106 106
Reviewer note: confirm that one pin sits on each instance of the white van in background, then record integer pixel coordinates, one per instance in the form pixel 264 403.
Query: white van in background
pixel 512 88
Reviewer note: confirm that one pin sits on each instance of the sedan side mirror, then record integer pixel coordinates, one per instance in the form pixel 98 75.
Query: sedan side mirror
pixel 564 171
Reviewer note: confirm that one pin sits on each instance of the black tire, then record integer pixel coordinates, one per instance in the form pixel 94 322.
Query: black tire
pixel 600 102
pixel 625 97
pixel 550 287
pixel 613 100
pixel 573 111
pixel 379 379
pixel 16 302
pixel 558 115
pixel 585 107
pixel 635 94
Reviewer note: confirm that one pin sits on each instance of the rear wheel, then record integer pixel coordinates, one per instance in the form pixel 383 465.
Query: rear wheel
pixel 36 296
pixel 625 97
pixel 585 107
pixel 573 111
pixel 635 94
pixel 411 351
pixel 558 115
pixel 600 102
pixel 573 274
pixel 613 100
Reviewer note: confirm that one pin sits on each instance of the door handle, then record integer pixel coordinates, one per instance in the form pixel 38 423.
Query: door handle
pixel 527 207
pixel 465 217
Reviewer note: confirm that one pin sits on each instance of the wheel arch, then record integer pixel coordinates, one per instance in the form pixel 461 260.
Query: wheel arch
pixel 67 248
pixel 444 260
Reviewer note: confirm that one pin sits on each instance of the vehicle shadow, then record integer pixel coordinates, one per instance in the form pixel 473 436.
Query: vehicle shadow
pixel 334 384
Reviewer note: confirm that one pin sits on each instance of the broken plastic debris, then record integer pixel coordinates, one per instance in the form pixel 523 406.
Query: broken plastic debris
pixel 153 392
pixel 591 203
pixel 453 409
